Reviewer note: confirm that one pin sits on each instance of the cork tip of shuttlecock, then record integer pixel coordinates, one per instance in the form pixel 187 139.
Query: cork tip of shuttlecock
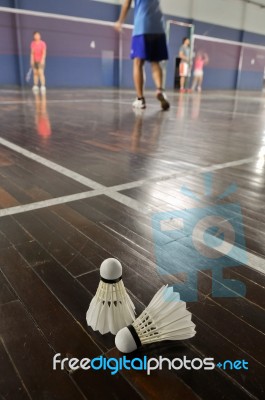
pixel 124 341
pixel 111 269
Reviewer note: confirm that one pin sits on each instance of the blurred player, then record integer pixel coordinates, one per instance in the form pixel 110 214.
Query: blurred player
pixel 148 44
pixel 184 55
pixel 201 60
pixel 37 62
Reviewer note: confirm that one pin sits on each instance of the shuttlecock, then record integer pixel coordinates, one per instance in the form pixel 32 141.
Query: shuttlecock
pixel 111 309
pixel 93 45
pixel 165 318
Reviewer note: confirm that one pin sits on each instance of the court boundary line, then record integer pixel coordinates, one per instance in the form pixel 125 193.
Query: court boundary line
pixel 127 102
pixel 99 189
pixel 253 261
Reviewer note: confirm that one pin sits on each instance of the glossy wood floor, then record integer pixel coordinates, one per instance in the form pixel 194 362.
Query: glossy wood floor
pixel 128 167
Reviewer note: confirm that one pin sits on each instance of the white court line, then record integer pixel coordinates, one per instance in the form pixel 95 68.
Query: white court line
pixel 113 101
pixel 55 167
pixel 74 176
pixel 31 101
pixel 111 192
pixel 88 100
pixel 229 164
pixel 71 198
pixel 45 203
pixel 124 102
pixel 254 261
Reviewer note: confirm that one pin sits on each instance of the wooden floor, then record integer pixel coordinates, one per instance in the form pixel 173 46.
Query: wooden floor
pixel 120 169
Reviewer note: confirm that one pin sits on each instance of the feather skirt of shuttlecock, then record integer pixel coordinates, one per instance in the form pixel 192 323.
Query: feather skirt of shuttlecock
pixel 111 309
pixel 165 318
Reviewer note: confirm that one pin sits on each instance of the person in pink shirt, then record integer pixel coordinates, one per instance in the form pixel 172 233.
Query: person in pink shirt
pixel 37 62
pixel 201 60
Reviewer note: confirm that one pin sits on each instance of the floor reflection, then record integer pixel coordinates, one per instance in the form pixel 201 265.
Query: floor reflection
pixel 42 120
pixel 146 131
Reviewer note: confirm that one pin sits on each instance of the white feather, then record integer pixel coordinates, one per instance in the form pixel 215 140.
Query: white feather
pixel 165 318
pixel 111 309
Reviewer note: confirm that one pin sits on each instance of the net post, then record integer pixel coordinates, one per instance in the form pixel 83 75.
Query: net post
pixel 164 65
pixel 120 58
pixel 192 31
pixel 240 64
pixel 21 71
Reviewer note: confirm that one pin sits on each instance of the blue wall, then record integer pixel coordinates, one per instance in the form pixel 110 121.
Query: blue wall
pixel 72 62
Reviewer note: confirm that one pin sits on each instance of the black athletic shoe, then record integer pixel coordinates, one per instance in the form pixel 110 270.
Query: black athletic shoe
pixel 161 96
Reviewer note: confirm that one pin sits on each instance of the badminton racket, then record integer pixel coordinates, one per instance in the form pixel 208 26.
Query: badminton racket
pixel 28 76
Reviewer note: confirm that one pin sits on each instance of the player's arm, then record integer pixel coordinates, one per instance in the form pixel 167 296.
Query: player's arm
pixel 124 11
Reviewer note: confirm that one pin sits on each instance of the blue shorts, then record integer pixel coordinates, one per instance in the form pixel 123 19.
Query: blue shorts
pixel 150 47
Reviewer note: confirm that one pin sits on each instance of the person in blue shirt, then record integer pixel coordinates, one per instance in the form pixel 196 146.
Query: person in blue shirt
pixel 148 44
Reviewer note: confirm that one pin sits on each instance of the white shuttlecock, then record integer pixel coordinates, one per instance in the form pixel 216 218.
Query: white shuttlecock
pixel 165 318
pixel 111 309
pixel 93 45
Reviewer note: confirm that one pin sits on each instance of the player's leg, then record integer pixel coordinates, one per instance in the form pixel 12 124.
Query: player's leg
pixel 182 83
pixel 138 56
pixel 156 47
pixel 157 73
pixel 42 79
pixel 138 77
pixel 183 76
pixel 194 83
pixel 36 78
pixel 200 80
